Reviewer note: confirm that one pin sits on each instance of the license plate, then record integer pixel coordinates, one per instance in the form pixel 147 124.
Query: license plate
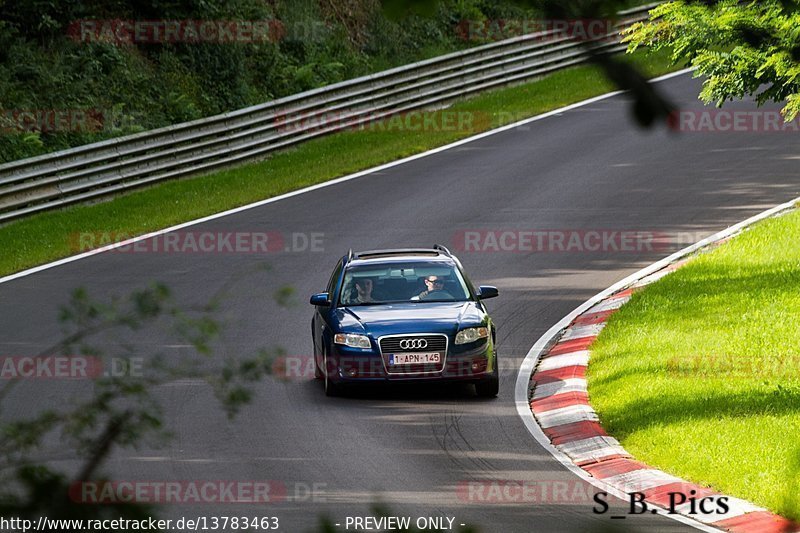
pixel 414 358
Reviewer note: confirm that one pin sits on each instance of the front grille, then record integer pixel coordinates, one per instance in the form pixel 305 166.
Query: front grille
pixel 392 345
pixel 435 343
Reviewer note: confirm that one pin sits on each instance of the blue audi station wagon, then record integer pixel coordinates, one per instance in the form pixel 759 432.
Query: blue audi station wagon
pixel 404 315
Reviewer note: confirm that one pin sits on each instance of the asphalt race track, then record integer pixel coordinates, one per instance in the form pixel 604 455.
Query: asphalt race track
pixel 414 449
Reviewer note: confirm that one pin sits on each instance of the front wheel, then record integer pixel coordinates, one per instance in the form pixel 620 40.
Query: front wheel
pixel 331 388
pixel 489 387
pixel 317 371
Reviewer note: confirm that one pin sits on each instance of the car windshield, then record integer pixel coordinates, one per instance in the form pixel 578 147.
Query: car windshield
pixel 417 281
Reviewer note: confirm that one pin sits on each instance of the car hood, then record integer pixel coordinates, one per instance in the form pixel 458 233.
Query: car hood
pixel 411 317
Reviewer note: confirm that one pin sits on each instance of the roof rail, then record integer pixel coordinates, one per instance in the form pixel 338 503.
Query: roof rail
pixel 443 249
pixel 394 251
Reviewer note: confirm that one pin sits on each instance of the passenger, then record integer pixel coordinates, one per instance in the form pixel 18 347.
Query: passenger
pixel 364 294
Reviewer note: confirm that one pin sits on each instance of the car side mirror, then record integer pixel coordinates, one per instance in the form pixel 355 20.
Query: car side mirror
pixel 487 291
pixel 320 299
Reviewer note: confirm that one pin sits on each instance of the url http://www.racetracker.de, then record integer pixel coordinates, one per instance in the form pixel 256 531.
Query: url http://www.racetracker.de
pixel 199 523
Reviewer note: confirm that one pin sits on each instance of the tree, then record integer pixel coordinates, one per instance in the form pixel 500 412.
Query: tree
pixel 742 49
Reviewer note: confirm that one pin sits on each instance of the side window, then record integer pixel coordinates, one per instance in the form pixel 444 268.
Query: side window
pixel 334 278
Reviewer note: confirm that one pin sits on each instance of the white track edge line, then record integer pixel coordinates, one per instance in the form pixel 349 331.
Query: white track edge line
pixel 532 358
pixel 329 183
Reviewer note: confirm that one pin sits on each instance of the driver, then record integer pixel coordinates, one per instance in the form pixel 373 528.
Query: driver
pixel 434 290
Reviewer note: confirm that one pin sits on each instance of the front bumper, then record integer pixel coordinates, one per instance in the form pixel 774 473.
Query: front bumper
pixel 461 363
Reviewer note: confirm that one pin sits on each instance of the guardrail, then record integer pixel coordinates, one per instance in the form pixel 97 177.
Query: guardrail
pixel 104 168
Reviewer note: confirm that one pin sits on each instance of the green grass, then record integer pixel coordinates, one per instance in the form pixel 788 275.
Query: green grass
pixel 699 374
pixel 48 236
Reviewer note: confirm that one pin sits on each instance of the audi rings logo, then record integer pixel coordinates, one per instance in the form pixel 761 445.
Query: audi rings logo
pixel 413 344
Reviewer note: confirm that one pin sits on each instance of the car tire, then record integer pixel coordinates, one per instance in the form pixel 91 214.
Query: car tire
pixel 331 388
pixel 489 387
pixel 317 371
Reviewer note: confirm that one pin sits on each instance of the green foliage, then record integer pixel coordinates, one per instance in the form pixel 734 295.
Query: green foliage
pixel 137 87
pixel 742 50
pixel 45 236
pixel 699 374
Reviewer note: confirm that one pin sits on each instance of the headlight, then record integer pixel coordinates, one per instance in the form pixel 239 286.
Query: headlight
pixel 471 335
pixel 352 340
